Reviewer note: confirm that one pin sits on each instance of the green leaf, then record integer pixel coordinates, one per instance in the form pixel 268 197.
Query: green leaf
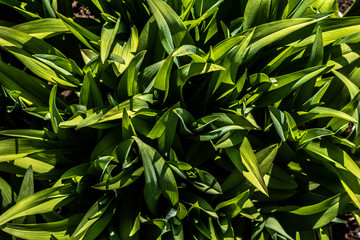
pixel 159 179
pixel 273 224
pixel 26 189
pixel 245 161
pixel 233 207
pixel 94 214
pixel 280 123
pixel 322 112
pixel 55 116
pixel 190 198
pixel 16 148
pixel 273 31
pixel 256 13
pixel 41 202
pixel 127 128
pixel 162 77
pixel 126 50
pixel 130 225
pixel 288 83
pixel 325 151
pixel 128 85
pixel 6 194
pixel 43 28
pixel 43 231
pixel 22 46
pixel 90 95
pixel 32 90
pixel 88 38
pixel 165 129
pixel 317 50
pixel 204 181
pixel 172 30
pixel 99 226
pixel 266 157
pixel 126 177
pixel 108 34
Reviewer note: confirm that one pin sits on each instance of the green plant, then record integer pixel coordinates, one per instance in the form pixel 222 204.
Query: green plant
pixel 187 120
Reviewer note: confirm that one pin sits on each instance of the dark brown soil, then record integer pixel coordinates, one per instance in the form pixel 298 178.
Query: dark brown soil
pixel 344 5
pixel 348 231
pixel 81 11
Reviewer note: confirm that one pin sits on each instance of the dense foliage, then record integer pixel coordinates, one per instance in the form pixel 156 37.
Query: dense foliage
pixel 188 119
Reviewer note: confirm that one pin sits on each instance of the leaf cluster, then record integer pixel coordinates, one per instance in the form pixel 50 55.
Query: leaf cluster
pixel 179 120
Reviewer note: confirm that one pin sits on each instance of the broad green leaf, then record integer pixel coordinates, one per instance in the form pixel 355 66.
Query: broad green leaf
pixel 280 122
pixel 127 129
pixel 337 123
pixel 32 90
pixel 274 31
pixel 203 181
pixel 172 30
pixel 15 148
pixel 162 78
pixel 332 30
pixel 6 194
pixel 128 84
pixel 67 68
pixel 314 208
pixel 273 224
pixel 48 9
pixel 317 50
pixel 90 95
pixel 129 221
pixel 184 73
pixel 10 37
pixel 159 179
pixel 221 49
pixel 190 198
pixel 56 118
pixel 79 170
pixel 43 231
pixel 126 50
pixel 232 207
pixel 126 177
pixel 108 35
pixel 322 112
pixel 43 28
pixel 256 13
pixel 277 61
pixel 93 215
pixel 266 157
pixel 22 46
pixel 352 88
pixel 88 38
pixel 314 133
pixel 41 202
pixel 165 129
pixel 231 64
pixel 131 105
pixel 88 55
pixel 288 83
pixel 230 139
pixel 245 161
pixel 99 226
pixel 24 133
pixel 325 151
pixel 197 54
pixel 301 8
pixel 26 189
pixel 279 179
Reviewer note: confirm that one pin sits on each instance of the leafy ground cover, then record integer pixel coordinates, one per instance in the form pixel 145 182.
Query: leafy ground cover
pixel 178 119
